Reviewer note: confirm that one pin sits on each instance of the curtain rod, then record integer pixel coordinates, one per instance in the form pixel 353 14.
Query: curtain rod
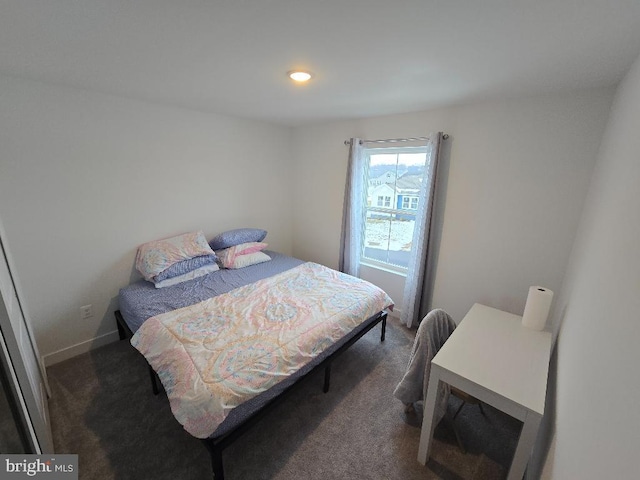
pixel 395 140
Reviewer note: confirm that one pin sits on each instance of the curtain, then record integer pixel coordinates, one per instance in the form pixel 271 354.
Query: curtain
pixel 414 304
pixel 353 215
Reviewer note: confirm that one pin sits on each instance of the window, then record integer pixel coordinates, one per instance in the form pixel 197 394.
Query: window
pixel 384 201
pixel 409 203
pixel 392 204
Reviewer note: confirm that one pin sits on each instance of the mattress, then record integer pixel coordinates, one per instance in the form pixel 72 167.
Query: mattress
pixel 142 300
pixel 215 355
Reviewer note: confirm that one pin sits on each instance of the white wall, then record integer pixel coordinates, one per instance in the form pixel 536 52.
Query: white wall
pixel 515 177
pixel 597 421
pixel 85 178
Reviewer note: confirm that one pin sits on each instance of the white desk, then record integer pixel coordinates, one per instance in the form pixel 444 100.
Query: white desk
pixel 491 356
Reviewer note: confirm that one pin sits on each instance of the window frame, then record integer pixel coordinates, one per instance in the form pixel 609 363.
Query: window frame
pixel 368 208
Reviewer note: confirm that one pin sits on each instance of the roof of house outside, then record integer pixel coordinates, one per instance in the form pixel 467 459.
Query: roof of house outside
pixel 409 184
pixel 387 177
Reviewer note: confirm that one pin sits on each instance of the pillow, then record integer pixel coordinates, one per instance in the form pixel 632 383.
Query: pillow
pixel 228 255
pixel 235 237
pixel 155 257
pixel 185 266
pixel 198 272
pixel 242 261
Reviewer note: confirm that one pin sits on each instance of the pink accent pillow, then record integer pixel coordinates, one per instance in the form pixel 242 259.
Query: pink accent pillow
pixel 229 255
pixel 251 247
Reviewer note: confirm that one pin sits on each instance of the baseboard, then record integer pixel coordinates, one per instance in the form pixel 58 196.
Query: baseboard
pixel 80 348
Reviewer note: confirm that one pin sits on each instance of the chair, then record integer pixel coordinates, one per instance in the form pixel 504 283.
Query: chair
pixel 466 399
pixel 434 330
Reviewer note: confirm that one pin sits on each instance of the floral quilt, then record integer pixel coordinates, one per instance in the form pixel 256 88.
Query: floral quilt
pixel 219 353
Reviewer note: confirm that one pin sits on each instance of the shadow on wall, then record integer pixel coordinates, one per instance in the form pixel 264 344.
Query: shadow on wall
pixel 547 426
pixel 107 323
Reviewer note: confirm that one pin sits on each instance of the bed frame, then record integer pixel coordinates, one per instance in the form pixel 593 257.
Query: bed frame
pixel 215 445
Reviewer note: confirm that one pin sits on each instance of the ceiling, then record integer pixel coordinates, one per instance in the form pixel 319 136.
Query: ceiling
pixel 369 57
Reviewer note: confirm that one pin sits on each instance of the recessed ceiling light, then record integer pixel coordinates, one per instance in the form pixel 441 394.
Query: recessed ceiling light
pixel 299 76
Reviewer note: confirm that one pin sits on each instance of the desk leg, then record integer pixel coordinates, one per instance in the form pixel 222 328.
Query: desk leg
pixel 525 446
pixel 428 425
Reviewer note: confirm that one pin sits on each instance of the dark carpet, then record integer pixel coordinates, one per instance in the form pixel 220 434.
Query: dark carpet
pixel 103 410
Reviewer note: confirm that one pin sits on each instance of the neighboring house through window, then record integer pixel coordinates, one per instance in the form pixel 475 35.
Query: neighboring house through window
pixel 395 179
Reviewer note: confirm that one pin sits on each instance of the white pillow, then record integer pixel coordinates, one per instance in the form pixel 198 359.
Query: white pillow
pixel 241 261
pixel 227 257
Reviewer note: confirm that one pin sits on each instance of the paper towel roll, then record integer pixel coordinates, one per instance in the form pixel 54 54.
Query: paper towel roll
pixel 537 307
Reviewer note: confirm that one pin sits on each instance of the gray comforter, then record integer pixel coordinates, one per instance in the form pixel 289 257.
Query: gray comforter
pixel 433 332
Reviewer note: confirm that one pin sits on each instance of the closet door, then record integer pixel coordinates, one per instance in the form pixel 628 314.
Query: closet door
pixel 25 371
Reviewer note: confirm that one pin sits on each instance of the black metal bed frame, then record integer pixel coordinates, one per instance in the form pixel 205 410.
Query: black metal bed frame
pixel 216 445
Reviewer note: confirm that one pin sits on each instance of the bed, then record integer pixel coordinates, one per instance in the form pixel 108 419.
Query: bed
pixel 228 345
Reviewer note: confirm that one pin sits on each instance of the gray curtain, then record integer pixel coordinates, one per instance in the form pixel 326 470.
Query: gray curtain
pixel 353 215
pixel 414 306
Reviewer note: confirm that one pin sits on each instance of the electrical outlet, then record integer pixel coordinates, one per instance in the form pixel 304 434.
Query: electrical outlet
pixel 86 311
